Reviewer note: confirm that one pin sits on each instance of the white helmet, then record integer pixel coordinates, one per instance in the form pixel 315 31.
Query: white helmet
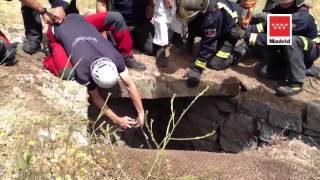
pixel 104 73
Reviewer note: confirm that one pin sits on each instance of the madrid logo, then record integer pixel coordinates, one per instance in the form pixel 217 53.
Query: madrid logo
pixel 279 29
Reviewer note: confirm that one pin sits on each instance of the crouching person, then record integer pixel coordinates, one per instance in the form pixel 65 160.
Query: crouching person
pixel 290 63
pixel 216 46
pixel 96 64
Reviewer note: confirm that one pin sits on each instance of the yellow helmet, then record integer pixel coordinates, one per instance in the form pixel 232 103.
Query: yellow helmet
pixel 187 10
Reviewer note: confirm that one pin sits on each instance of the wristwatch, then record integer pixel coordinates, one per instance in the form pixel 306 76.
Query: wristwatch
pixel 43 11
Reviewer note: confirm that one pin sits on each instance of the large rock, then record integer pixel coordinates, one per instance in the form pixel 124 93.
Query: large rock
pixel 207 108
pixel 232 140
pixel 284 120
pixel 312 133
pixel 238 132
pixel 254 108
pixel 313 116
pixel 241 122
pixel 267 132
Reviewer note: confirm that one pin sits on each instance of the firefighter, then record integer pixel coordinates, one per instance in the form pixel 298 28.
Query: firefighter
pixel 217 18
pixel 298 57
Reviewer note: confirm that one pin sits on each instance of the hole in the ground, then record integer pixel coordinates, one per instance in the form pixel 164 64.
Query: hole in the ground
pixel 238 124
pixel 206 115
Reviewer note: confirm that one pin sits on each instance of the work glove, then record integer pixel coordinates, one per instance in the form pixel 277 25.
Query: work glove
pixel 193 75
pixel 218 63
pixel 260 18
pixel 237 33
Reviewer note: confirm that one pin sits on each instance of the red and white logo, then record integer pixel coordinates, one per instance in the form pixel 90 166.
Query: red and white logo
pixel 279 29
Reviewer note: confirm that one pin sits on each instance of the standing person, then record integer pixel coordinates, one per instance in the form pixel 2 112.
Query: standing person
pixel 164 16
pixel 97 64
pixel 31 11
pixel 137 14
pixel 290 62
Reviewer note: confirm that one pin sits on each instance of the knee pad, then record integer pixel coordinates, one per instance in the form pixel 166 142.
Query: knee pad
pixel 238 52
pixel 117 20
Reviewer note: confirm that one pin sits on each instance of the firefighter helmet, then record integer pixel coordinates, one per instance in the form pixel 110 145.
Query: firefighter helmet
pixel 308 3
pixel 297 2
pixel 187 10
pixel 193 5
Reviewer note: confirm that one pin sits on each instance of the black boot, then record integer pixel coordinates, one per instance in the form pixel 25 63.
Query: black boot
pixel 31 47
pixel 194 75
pixel 33 30
pixel 289 89
pixel 161 59
pixel 132 63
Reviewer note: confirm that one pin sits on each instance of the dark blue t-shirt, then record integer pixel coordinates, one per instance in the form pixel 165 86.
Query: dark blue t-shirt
pixel 133 11
pixel 85 44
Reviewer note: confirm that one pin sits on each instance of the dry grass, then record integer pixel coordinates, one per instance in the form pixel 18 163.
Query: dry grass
pixel 302 157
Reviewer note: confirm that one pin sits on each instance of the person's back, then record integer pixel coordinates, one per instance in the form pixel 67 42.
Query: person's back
pixel 84 44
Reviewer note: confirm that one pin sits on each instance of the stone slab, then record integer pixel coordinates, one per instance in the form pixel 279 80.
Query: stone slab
pixel 164 82
pixel 254 108
pixel 313 116
pixel 235 141
pixel 309 132
pixel 281 119
pixel 267 131
pixel 241 122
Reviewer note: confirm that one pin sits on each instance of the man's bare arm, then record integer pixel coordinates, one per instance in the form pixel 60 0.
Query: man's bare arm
pixel 33 4
pixel 98 101
pixel 134 95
